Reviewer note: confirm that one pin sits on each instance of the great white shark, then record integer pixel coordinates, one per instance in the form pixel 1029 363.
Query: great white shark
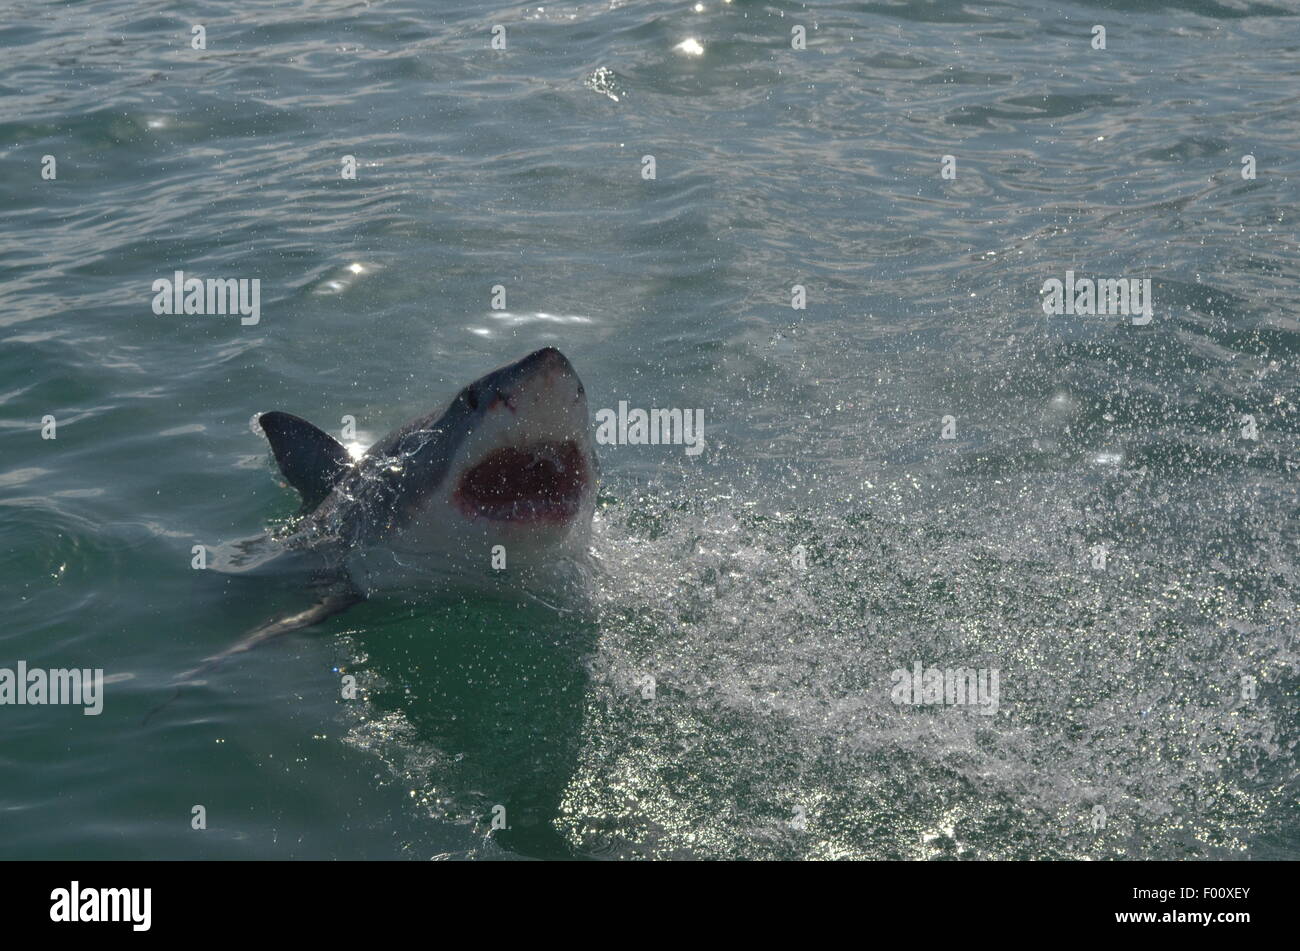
pixel 510 463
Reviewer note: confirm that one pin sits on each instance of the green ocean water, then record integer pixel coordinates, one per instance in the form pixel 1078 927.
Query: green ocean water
pixel 767 588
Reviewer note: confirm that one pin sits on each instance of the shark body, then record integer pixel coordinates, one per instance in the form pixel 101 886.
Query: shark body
pixel 510 463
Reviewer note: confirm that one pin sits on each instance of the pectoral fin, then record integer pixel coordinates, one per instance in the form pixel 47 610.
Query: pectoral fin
pixel 337 600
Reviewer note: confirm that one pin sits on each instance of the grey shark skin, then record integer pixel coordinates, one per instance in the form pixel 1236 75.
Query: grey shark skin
pixel 510 462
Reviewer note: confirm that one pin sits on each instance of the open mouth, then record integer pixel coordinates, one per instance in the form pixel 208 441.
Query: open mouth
pixel 541 482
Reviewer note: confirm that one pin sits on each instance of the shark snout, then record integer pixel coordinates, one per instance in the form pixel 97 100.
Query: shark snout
pixel 546 367
pixel 547 359
pixel 544 376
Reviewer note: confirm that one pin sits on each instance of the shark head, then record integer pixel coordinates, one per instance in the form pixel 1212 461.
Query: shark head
pixel 509 462
pixel 525 460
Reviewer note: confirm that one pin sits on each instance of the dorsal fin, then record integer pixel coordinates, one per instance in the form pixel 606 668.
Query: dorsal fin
pixel 311 459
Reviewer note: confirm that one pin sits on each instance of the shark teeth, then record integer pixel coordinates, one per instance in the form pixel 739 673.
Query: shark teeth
pixel 538 482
